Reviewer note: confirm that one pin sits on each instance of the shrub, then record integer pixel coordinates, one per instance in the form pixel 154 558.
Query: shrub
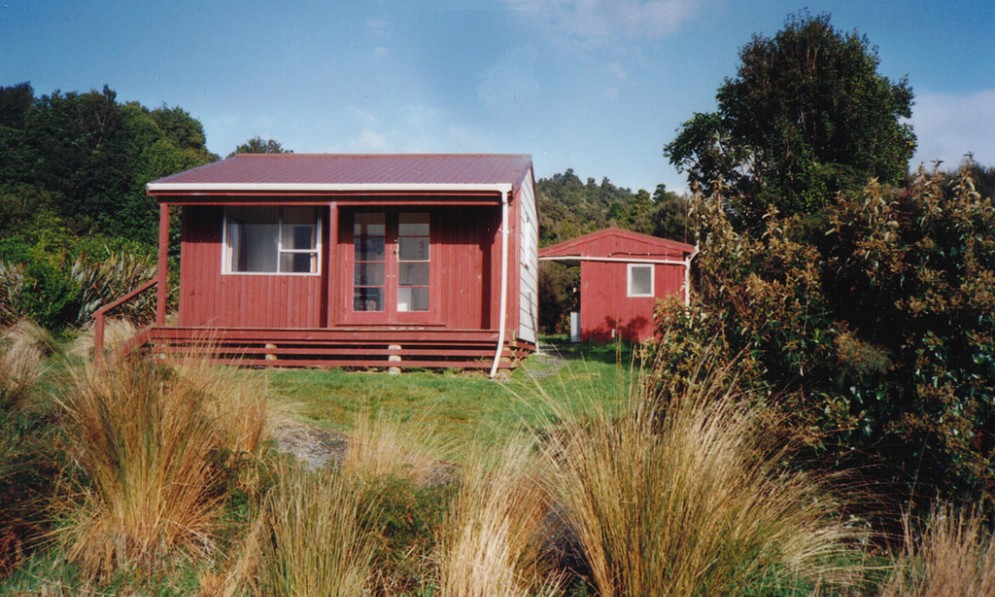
pixel 59 290
pixel 871 322
pixel 102 281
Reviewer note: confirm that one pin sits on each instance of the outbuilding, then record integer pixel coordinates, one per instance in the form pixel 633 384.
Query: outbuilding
pixel 622 274
pixel 352 260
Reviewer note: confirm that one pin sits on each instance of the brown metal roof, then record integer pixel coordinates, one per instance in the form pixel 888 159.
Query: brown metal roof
pixel 356 169
pixel 616 242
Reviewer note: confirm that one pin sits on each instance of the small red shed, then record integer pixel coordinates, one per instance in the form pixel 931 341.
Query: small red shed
pixel 622 273
pixel 353 260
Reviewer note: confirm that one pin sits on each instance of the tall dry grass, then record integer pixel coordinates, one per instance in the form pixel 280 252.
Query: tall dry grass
pixel 313 541
pixel 491 541
pixel 24 347
pixel 383 446
pixel 117 331
pixel 153 453
pixel 686 495
pixel 12 283
pixel 955 555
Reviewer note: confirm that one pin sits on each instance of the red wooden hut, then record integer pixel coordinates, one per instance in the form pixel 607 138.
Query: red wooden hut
pixel 353 260
pixel 622 273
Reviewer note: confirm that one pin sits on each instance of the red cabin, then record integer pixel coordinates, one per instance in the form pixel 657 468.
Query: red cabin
pixel 353 260
pixel 622 273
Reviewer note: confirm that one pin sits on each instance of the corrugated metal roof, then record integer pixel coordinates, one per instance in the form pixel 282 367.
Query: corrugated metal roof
pixel 621 243
pixel 420 170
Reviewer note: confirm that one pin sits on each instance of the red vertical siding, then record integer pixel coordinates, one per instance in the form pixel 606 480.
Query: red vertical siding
pixel 605 304
pixel 210 298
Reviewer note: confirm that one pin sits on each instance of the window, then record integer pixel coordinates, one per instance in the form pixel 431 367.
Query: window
pixel 272 240
pixel 640 280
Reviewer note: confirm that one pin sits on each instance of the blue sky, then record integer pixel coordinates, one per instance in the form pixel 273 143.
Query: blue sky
pixel 594 85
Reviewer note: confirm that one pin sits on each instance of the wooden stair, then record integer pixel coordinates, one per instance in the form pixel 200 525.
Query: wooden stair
pixel 403 348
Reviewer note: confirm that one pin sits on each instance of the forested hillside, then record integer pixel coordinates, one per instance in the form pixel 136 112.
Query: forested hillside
pixel 569 207
pixel 80 161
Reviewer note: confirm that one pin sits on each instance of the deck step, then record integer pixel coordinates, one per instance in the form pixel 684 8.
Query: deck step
pixel 361 349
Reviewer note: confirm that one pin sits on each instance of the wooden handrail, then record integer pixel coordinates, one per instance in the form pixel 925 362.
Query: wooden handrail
pixel 98 317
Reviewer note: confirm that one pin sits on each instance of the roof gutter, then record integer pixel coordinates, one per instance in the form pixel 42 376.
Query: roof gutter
pixel 503 313
pixel 568 258
pixel 277 187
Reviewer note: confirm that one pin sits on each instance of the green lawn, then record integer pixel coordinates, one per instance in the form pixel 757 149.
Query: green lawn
pixel 458 408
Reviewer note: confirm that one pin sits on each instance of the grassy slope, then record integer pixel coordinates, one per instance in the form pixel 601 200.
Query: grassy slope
pixel 458 407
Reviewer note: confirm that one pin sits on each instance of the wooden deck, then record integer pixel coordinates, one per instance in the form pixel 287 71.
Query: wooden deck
pixel 358 347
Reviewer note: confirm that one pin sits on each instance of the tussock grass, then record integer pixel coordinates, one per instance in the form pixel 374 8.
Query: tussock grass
pixel 24 347
pixel 12 282
pixel 684 495
pixel 955 555
pixel 381 445
pixel 313 542
pixel 490 542
pixel 117 331
pixel 153 450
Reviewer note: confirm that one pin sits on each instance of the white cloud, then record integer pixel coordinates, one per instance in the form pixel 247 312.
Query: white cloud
pixel 618 71
pixel 377 26
pixel 602 21
pixel 411 129
pixel 948 126
pixel 380 52
pixel 509 86
pixel 370 141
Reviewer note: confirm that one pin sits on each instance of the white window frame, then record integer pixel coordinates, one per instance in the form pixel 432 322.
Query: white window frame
pixel 226 249
pixel 628 285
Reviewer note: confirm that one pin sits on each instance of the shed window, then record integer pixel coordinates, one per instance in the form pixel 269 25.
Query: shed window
pixel 272 240
pixel 640 280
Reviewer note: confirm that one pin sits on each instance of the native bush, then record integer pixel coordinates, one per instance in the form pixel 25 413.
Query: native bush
pixel 873 322
pixel 59 290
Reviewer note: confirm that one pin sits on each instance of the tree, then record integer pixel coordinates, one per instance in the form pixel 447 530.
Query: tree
pixel 806 116
pixel 258 145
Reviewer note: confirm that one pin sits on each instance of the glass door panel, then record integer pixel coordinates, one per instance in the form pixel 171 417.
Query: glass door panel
pixel 413 244
pixel 369 261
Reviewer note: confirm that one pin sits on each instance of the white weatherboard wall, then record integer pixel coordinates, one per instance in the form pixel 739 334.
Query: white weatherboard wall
pixel 529 259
